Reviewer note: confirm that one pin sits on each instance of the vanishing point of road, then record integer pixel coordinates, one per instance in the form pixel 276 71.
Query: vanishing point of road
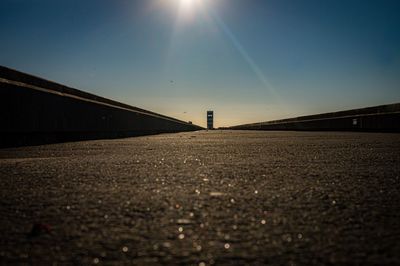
pixel 203 198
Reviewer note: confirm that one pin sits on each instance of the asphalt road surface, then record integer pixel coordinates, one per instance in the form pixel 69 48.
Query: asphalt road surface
pixel 203 198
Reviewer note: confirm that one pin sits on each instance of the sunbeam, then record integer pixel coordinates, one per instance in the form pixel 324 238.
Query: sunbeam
pixel 244 54
pixel 189 10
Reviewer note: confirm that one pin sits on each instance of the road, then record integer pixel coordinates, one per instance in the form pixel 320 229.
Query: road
pixel 202 198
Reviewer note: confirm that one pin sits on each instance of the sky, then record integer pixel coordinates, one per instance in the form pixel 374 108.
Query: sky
pixel 248 60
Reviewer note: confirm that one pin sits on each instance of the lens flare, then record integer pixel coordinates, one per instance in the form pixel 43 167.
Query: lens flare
pixel 188 7
pixel 187 3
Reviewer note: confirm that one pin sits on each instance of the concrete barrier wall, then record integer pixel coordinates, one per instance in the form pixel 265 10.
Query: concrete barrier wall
pixel 36 111
pixel 384 118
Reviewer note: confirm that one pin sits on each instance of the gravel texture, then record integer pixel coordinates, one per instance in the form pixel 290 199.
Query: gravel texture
pixel 201 198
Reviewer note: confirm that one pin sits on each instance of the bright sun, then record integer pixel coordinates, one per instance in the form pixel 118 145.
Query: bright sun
pixel 188 8
pixel 187 4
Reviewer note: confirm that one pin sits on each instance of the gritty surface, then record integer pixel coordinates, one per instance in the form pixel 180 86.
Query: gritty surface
pixel 201 198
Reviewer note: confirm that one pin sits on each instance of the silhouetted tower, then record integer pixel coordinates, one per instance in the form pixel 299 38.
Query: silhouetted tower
pixel 210 119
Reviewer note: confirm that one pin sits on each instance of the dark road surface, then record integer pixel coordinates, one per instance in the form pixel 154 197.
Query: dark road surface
pixel 201 198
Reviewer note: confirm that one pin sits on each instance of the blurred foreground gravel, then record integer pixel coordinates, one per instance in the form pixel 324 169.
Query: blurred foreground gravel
pixel 202 198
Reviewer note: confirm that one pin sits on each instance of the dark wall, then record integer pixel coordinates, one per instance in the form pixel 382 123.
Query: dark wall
pixel 34 112
pixel 384 118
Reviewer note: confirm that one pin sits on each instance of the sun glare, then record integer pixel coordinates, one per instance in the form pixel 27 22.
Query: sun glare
pixel 186 8
pixel 187 2
pixel 188 5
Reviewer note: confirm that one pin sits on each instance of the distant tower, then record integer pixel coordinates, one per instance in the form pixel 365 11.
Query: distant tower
pixel 210 119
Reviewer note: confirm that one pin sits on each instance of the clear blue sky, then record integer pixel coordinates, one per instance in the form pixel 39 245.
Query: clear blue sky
pixel 248 60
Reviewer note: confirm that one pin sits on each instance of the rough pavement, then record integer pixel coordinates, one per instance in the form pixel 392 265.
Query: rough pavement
pixel 201 198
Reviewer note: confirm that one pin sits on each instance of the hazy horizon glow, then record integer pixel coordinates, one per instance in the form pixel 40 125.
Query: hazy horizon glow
pixel 249 61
